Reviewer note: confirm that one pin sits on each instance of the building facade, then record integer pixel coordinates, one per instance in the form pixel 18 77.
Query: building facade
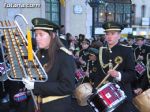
pixel 141 17
pixel 76 15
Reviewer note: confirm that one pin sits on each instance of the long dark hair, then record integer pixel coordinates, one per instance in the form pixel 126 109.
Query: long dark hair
pixel 54 46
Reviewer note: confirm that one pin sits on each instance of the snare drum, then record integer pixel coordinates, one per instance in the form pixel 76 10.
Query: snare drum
pixel 107 98
pixel 20 97
pixel 79 74
pixel 140 68
pixel 82 93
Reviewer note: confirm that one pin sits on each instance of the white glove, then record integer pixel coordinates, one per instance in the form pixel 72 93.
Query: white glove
pixel 28 83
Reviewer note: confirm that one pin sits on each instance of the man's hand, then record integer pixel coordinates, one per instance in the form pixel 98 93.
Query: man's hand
pixel 140 57
pixel 113 73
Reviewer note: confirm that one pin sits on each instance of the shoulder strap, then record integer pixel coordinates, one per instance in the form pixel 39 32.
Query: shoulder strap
pixel 125 45
pixel 66 50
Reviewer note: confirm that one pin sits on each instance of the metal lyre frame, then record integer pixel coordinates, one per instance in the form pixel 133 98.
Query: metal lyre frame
pixel 17 52
pixel 21 67
pixel 42 69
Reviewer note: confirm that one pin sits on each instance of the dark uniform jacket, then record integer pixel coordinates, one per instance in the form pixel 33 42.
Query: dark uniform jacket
pixel 126 68
pixel 60 82
pixel 93 69
pixel 142 51
pixel 84 54
pixel 142 80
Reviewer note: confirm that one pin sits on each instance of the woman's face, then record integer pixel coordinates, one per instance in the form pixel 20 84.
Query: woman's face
pixel 43 39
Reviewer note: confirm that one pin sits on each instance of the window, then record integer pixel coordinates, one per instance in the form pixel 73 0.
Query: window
pixel 127 14
pixel 133 11
pixel 119 12
pixel 52 10
pixel 110 10
pixel 143 11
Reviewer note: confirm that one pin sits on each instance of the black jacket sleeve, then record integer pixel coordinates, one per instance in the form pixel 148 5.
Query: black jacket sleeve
pixel 61 79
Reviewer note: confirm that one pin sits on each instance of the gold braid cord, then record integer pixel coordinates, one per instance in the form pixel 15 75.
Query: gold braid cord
pixel 101 58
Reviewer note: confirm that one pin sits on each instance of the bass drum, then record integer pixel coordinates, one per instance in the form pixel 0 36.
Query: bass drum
pixel 82 93
pixel 142 101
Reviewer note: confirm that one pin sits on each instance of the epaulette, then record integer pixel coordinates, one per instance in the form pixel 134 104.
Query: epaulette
pixel 66 50
pixel 125 45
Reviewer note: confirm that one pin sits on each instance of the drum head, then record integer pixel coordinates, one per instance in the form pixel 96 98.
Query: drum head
pixel 82 93
pixel 142 101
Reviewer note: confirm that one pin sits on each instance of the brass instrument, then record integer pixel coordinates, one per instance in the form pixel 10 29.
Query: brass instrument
pixel 17 48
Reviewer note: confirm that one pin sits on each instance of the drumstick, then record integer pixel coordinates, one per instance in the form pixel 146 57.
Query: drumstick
pixel 107 76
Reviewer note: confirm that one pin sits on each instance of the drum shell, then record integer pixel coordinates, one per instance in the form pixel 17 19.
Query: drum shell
pixel 142 101
pixel 79 74
pixel 140 68
pixel 107 98
pixel 82 93
pixel 97 102
pixel 20 97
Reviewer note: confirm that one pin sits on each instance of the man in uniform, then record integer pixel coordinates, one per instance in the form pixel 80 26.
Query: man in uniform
pixel 131 40
pixel 140 53
pixel 117 55
pixel 93 63
pixel 84 53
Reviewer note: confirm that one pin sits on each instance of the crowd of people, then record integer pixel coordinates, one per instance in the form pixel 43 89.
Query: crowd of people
pixel 72 61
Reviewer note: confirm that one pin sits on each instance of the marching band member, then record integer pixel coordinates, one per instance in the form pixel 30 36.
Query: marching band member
pixel 83 54
pixel 140 53
pixel 124 74
pixel 59 65
pixel 93 63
